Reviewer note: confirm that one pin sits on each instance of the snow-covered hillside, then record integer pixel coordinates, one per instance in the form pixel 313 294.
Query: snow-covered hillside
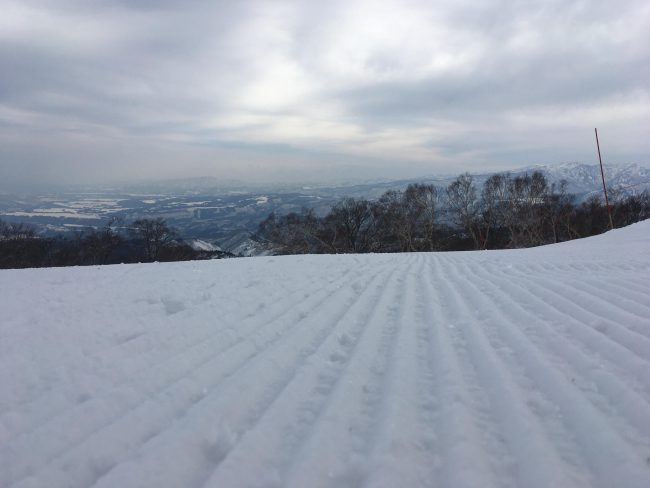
pixel 525 368
pixel 584 180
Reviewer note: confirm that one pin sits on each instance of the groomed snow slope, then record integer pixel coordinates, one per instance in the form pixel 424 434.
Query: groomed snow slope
pixel 526 368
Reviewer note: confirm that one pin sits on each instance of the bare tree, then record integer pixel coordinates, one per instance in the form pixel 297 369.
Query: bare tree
pixel 98 245
pixel 298 233
pixel 526 196
pixel 495 204
pixel 350 220
pixel 392 229
pixel 464 205
pixel 634 208
pixel 20 247
pixel 558 209
pixel 419 211
pixel 154 234
pixel 15 231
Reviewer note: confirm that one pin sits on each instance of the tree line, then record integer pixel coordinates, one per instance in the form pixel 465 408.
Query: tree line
pixel 507 212
pixel 143 240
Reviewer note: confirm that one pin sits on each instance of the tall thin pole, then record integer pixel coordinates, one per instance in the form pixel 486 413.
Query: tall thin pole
pixel 602 175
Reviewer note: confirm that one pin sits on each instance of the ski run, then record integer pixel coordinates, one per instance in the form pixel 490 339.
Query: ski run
pixel 521 368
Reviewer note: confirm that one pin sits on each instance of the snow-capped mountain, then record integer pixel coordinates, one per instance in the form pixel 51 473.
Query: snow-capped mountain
pixel 584 179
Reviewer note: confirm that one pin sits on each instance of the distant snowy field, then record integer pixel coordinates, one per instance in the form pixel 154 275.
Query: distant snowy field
pixel 526 368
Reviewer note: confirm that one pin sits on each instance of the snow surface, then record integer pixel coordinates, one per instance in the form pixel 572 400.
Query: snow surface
pixel 524 368
pixel 201 245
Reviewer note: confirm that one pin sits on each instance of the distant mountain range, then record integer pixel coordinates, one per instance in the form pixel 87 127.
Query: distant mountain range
pixel 585 179
pixel 582 180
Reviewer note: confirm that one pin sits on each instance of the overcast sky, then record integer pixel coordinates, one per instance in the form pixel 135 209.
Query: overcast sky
pixel 112 90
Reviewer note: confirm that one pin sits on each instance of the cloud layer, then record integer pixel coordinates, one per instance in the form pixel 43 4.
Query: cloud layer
pixel 272 90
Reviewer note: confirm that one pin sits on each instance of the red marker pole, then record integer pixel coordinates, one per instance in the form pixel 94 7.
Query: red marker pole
pixel 602 174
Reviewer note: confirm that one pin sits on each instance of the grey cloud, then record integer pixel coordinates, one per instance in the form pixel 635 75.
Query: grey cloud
pixel 176 74
pixel 567 70
pixel 540 83
pixel 154 82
